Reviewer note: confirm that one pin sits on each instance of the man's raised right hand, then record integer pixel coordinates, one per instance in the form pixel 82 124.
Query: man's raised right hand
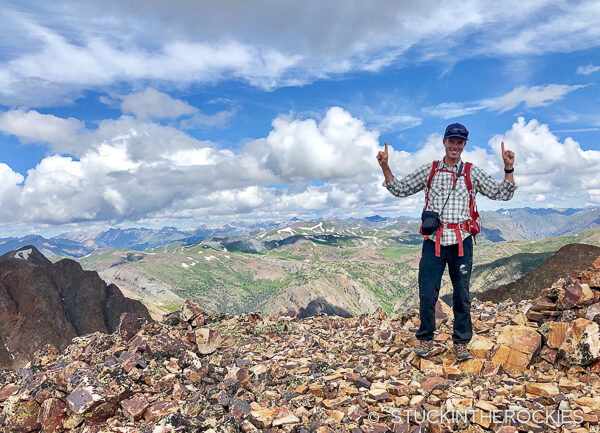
pixel 382 157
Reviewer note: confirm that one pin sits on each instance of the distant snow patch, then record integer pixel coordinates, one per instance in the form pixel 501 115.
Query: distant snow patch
pixel 209 258
pixel 320 226
pixel 287 229
pixel 23 254
pixel 186 266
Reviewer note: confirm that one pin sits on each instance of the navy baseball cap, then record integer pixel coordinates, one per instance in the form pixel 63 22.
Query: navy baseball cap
pixel 456 130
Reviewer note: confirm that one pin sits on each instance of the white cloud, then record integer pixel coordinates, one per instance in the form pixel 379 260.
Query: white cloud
pixel 595 194
pixel 557 27
pixel 154 104
pixel 587 70
pixel 194 157
pixel 31 126
pixel 70 135
pixel 114 198
pixel 9 193
pixel 535 96
pixel 218 119
pixel 70 46
pixel 578 130
pixel 336 148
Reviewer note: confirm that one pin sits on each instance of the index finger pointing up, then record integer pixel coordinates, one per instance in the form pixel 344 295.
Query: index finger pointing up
pixel 385 144
pixel 502 147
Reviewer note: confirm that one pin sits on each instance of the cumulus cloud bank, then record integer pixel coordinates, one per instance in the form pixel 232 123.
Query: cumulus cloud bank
pixel 133 168
pixel 549 167
pixel 129 169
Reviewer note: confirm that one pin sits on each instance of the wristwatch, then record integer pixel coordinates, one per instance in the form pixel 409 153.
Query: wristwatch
pixel 509 171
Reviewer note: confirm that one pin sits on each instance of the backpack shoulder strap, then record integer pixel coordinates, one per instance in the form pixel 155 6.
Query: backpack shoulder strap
pixel 472 206
pixel 468 176
pixel 434 167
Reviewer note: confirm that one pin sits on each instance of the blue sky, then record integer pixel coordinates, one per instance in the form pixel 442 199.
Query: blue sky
pixel 134 114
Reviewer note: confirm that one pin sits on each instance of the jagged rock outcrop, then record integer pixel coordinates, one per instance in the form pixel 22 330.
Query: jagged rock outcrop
pixel 43 302
pixel 560 264
pixel 195 372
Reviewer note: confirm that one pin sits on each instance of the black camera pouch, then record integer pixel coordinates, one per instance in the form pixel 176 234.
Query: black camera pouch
pixel 430 222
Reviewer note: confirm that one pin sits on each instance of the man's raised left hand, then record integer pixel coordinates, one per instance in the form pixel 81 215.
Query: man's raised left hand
pixel 509 157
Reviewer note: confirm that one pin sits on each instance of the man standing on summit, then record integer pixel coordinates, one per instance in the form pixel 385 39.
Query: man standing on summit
pixel 450 188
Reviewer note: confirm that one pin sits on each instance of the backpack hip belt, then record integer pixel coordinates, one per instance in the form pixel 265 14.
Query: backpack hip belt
pixel 465 225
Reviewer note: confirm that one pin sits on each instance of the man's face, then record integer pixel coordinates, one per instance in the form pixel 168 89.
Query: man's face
pixel 454 146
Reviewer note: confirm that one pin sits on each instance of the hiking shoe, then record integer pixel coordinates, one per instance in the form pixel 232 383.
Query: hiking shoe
pixel 424 348
pixel 462 354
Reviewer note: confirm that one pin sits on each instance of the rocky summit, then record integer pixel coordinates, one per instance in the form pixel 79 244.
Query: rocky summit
pixel 535 368
pixel 43 302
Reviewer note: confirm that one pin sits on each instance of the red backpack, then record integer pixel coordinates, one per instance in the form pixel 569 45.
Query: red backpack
pixel 473 225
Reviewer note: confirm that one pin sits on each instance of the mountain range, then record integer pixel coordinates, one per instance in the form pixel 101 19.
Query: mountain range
pixel 500 225
pixel 340 266
pixel 307 269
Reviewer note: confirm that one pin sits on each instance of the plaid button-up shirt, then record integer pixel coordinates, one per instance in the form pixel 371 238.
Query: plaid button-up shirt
pixel 457 208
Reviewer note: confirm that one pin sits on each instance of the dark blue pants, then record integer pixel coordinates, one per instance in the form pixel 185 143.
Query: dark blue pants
pixel 431 269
